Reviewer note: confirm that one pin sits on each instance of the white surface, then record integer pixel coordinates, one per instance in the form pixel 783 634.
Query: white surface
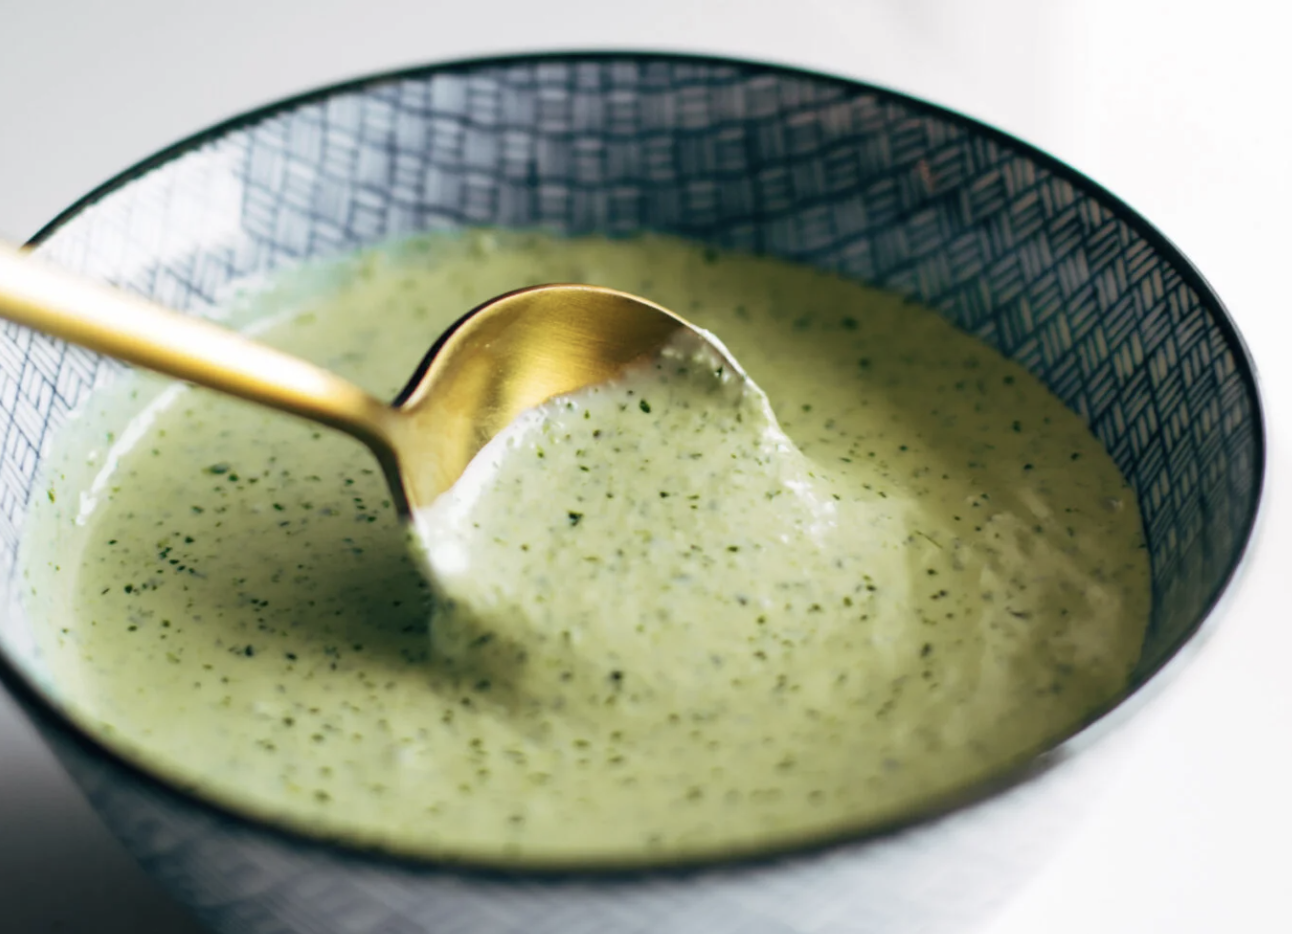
pixel 1180 107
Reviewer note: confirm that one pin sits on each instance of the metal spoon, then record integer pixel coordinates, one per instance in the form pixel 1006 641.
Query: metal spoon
pixel 508 355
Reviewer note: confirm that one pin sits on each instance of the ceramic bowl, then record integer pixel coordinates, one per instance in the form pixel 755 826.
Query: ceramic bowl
pixel 1009 244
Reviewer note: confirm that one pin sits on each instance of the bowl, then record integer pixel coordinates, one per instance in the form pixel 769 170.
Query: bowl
pixel 1006 242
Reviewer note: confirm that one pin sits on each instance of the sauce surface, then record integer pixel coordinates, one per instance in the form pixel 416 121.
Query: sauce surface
pixel 666 623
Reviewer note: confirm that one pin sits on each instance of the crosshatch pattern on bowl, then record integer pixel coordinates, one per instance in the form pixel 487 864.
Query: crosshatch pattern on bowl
pixel 837 176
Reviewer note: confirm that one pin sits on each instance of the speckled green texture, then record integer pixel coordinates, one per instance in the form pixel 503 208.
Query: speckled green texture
pixel 675 634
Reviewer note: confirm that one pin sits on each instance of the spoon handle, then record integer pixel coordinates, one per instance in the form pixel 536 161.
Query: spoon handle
pixel 111 322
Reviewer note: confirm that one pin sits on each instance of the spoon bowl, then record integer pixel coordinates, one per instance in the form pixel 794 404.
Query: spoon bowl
pixel 505 356
pixel 510 354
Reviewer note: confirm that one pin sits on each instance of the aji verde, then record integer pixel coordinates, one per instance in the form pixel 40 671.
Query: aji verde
pixel 665 623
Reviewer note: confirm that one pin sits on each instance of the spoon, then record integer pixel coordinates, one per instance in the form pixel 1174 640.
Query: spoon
pixel 508 355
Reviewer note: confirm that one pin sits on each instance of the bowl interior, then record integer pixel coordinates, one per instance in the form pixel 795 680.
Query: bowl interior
pixel 1006 243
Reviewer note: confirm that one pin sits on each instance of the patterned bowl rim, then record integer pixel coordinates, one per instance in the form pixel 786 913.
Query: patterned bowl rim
pixel 1099 724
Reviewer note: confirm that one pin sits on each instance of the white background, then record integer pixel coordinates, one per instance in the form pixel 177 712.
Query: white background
pixel 1180 107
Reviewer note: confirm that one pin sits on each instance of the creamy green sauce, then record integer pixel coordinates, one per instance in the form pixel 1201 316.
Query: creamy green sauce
pixel 662 627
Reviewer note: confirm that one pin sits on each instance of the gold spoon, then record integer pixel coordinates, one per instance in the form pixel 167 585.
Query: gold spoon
pixel 508 355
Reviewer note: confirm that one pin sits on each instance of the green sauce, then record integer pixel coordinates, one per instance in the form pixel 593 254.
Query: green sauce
pixel 662 628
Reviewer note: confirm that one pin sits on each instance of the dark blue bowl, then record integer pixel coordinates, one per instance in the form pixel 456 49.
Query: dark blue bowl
pixel 1006 242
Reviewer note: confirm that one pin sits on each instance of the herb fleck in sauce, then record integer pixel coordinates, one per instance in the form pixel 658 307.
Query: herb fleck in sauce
pixel 662 628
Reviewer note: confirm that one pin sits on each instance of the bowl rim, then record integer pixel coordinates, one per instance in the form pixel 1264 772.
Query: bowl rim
pixel 1097 725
